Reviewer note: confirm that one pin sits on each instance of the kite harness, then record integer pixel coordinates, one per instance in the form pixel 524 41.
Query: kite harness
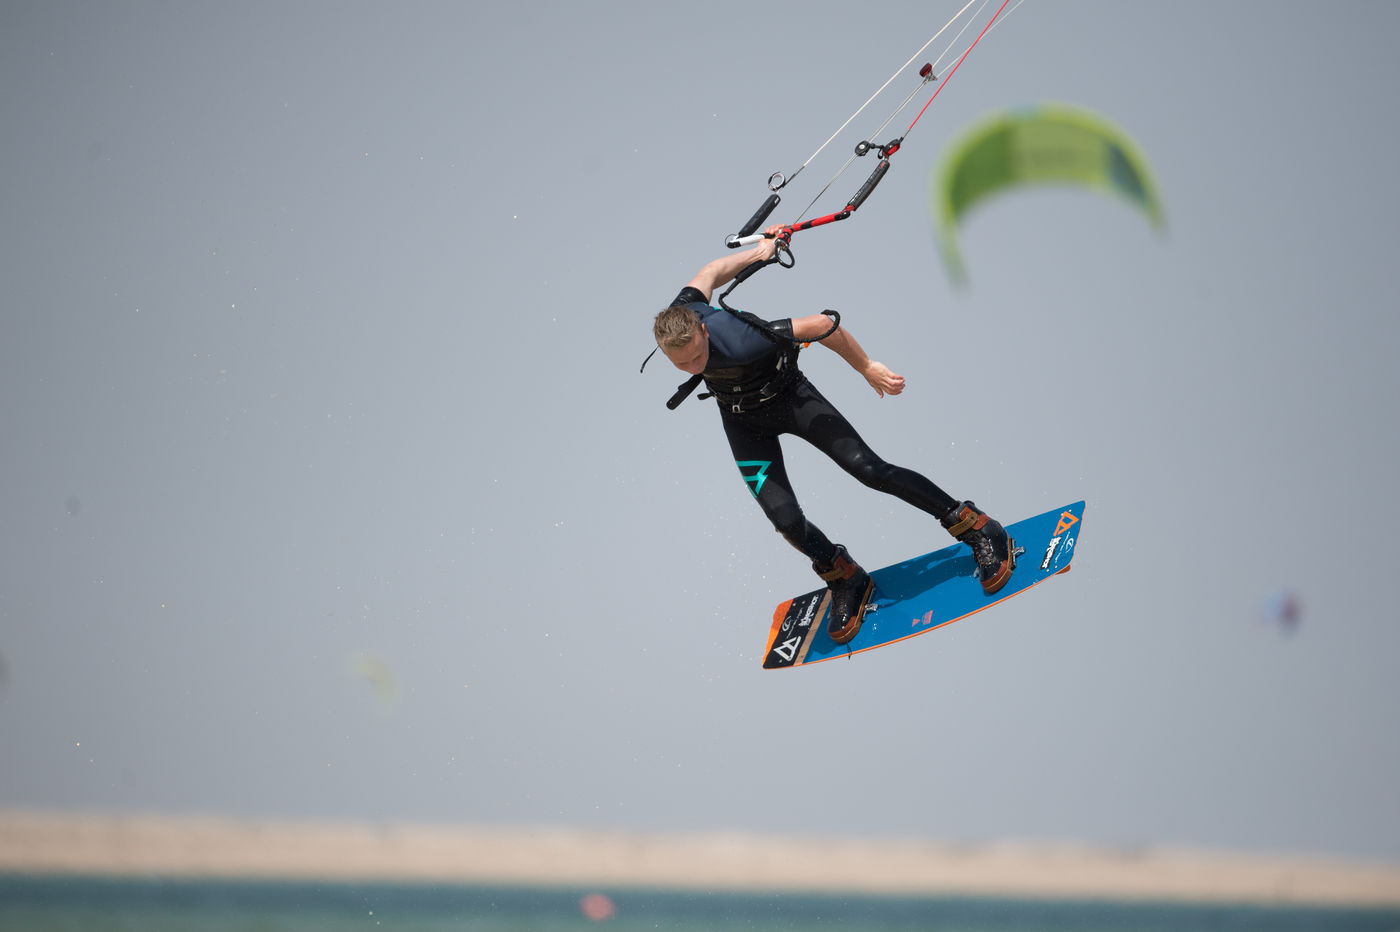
pixel 746 395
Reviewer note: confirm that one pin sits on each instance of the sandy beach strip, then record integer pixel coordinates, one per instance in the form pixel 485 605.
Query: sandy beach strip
pixel 36 843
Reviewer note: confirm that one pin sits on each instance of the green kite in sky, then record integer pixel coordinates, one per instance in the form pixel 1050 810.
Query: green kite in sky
pixel 1043 144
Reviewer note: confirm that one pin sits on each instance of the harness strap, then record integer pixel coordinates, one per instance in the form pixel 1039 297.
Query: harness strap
pixel 683 391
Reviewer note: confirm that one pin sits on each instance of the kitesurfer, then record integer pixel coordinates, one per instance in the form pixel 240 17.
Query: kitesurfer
pixel 750 367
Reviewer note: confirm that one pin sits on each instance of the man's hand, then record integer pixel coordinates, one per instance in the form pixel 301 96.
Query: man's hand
pixel 882 379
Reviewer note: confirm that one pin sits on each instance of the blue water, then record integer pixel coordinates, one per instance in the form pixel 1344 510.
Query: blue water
pixel 49 904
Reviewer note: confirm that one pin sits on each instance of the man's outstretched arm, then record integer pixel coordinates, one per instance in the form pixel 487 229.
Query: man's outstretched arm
pixel 885 382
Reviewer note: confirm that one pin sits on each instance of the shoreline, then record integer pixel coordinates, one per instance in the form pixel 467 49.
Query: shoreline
pixel 211 847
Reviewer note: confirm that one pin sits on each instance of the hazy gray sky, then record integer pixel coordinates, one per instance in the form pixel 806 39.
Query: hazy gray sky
pixel 320 338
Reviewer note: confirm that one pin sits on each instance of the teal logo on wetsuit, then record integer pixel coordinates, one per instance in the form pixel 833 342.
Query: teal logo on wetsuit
pixel 759 475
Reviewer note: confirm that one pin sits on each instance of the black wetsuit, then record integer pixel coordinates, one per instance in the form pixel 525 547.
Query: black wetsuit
pixel 760 400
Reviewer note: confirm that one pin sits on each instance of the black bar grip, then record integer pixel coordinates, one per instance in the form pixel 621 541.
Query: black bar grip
pixel 869 185
pixel 759 216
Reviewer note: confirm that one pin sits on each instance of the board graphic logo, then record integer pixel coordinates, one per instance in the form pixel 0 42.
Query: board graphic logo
pixel 788 649
pixel 1068 519
pixel 795 630
pixel 1051 551
pixel 757 477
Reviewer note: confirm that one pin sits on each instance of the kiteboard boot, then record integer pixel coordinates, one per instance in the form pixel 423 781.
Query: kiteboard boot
pixel 994 551
pixel 850 590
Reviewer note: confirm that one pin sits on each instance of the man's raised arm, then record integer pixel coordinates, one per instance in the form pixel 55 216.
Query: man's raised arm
pixel 722 270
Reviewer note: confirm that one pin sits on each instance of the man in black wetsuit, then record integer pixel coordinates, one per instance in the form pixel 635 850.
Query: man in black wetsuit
pixel 750 366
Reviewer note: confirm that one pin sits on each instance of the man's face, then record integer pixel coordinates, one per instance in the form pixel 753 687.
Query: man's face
pixel 694 355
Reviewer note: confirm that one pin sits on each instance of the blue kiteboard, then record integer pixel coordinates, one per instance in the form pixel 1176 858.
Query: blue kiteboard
pixel 927 592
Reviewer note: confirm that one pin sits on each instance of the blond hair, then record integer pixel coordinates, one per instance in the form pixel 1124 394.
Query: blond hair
pixel 675 327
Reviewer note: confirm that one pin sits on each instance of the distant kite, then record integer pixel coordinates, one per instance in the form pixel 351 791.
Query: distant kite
pixel 1282 610
pixel 373 669
pixel 1043 144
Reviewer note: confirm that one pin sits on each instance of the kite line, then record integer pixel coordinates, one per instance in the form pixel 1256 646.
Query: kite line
pixel 748 234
